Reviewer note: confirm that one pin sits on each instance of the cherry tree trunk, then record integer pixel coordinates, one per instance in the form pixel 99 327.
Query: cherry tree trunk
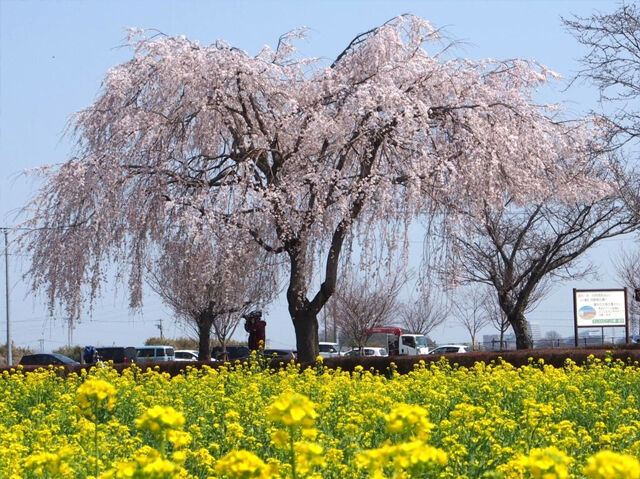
pixel 305 324
pixel 204 338
pixel 521 330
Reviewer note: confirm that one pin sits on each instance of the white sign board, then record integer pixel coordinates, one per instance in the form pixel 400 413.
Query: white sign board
pixel 600 308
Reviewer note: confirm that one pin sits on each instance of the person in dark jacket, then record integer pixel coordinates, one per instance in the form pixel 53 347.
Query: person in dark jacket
pixel 255 326
pixel 90 355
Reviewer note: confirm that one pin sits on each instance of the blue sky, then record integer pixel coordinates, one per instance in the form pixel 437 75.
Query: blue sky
pixel 53 55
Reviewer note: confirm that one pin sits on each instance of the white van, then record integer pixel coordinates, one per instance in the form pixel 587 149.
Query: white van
pixel 154 353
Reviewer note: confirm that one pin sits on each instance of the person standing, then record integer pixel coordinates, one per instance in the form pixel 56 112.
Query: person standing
pixel 255 326
pixel 90 355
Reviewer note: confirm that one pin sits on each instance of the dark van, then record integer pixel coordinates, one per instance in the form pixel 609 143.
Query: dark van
pixel 233 353
pixel 117 354
pixel 47 359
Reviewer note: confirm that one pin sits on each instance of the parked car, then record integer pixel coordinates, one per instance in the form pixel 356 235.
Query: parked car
pixel 450 348
pixel 117 354
pixel 154 353
pixel 46 359
pixel 329 350
pixel 280 354
pixel 186 355
pixel 368 351
pixel 233 353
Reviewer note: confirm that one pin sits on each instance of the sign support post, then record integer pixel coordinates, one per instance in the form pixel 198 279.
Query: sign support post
pixel 626 318
pixel 575 319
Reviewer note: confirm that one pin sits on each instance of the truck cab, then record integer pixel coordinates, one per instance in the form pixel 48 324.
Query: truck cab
pixel 412 344
pixel 402 344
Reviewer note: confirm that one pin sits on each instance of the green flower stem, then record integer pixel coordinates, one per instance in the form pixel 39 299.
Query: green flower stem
pixel 95 439
pixel 294 474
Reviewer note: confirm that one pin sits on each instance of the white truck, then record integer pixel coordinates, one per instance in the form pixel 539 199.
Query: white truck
pixel 402 344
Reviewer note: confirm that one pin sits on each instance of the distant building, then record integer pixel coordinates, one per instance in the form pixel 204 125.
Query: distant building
pixel 491 342
pixel 591 337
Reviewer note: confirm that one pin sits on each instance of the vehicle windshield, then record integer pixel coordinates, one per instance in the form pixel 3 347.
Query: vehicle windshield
pixel 421 341
pixel 63 359
pixel 327 348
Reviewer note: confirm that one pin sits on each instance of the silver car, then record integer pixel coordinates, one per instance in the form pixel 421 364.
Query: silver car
pixel 450 348
pixel 368 351
pixel 186 355
pixel 329 350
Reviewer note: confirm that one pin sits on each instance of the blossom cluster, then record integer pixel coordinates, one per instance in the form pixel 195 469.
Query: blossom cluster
pixel 439 421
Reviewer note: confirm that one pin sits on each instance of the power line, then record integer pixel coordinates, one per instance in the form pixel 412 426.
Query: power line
pixel 39 228
pixel 84 321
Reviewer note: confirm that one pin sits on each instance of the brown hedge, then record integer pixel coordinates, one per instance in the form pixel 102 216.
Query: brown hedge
pixel 404 364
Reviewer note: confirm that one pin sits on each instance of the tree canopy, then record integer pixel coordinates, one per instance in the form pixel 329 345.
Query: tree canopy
pixel 517 251
pixel 209 283
pixel 299 156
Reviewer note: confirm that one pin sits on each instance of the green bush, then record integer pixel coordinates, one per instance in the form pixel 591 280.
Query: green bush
pixel 74 352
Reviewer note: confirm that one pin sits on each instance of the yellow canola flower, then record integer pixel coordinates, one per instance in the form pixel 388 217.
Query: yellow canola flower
pixel 244 465
pixel 94 396
pixel 147 463
pixel 47 464
pixel 179 439
pixel 160 420
pixel 280 438
pixel 159 469
pixel 547 463
pixel 293 410
pixel 409 457
pixel 612 465
pixel 308 455
pixel 486 417
pixel 409 419
pixel 156 468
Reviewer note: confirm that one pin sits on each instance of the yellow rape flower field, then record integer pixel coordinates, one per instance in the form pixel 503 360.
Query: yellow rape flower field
pixel 246 421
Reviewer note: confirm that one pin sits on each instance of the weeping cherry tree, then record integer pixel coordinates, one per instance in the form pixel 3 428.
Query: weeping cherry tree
pixel 303 157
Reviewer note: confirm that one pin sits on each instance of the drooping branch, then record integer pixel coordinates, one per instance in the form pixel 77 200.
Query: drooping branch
pixel 292 157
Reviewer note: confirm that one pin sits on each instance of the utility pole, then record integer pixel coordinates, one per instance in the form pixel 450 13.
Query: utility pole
pixel 6 290
pixel 70 331
pixel 159 326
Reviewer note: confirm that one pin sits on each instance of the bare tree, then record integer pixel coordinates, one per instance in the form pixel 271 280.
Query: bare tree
pixel 517 250
pixel 425 314
pixel 497 316
pixel 471 312
pixel 551 339
pixel 361 304
pixel 612 63
pixel 328 325
pixel 223 327
pixel 627 265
